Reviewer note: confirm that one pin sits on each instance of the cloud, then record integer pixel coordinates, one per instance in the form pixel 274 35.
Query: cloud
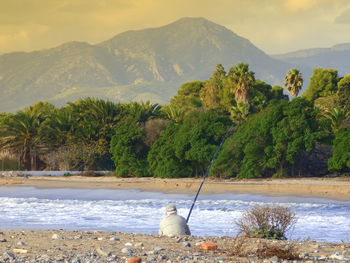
pixel 273 25
pixel 299 5
pixel 344 17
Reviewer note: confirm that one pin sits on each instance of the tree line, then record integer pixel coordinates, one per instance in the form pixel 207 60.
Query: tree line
pixel 268 133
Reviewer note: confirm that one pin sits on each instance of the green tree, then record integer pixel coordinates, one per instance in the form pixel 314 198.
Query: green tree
pixel 187 97
pixel 185 149
pixel 242 80
pixel 327 103
pixel 94 124
pixel 261 94
pixel 340 160
pixel 128 149
pixel 211 93
pixel 323 83
pixel 270 142
pixel 343 94
pixel 293 81
pixel 198 137
pixel 295 133
pixel 162 160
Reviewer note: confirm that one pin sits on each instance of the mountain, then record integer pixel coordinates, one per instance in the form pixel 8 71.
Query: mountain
pixel 148 64
pixel 337 57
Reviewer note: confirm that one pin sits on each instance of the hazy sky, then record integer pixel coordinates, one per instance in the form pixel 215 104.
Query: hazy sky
pixel 275 26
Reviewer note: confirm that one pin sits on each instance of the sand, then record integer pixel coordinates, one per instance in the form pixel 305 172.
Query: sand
pixel 334 188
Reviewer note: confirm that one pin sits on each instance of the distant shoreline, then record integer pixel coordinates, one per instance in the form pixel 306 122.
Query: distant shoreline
pixel 334 188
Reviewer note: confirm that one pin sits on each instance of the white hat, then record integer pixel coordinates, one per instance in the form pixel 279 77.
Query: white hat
pixel 171 209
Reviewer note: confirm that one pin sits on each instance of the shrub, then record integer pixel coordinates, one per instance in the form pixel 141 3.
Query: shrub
pixel 245 247
pixel 270 222
pixel 283 252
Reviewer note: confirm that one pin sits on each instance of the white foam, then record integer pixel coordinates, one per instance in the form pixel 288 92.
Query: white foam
pixel 127 211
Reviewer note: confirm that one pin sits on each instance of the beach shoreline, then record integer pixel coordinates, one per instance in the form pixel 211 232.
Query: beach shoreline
pixel 333 188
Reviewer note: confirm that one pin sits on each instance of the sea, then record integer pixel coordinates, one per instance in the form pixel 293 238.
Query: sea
pixel 136 211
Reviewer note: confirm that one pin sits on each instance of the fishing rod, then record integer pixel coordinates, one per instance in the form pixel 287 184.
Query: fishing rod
pixel 208 170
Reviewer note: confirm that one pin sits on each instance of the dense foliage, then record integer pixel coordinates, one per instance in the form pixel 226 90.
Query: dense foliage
pixel 270 135
pixel 185 149
pixel 341 151
pixel 323 83
pixel 270 142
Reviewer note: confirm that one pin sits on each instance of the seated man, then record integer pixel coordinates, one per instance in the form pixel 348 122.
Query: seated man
pixel 173 224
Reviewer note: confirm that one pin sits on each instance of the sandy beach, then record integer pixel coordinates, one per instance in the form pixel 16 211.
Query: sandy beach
pixel 335 188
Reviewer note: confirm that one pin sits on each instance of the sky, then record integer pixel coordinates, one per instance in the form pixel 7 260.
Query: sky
pixel 275 26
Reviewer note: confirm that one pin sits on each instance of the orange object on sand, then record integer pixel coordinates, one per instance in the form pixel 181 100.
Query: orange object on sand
pixel 134 260
pixel 209 246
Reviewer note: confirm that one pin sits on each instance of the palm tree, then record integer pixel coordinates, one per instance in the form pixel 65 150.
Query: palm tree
pixel 20 133
pixel 210 93
pixel 293 81
pixel 337 118
pixel 58 128
pixel 95 117
pixel 242 79
pixel 174 113
pixel 143 111
pixel 239 113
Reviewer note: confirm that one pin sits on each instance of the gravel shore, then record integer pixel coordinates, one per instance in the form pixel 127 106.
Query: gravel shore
pixel 100 247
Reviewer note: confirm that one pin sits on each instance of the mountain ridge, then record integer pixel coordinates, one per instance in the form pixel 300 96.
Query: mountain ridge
pixel 137 64
pixel 336 56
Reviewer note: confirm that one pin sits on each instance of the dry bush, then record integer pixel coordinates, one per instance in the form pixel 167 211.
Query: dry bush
pixel 241 247
pixel 283 252
pixel 247 247
pixel 271 222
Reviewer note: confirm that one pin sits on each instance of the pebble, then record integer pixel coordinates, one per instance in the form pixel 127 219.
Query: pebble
pixel 158 249
pixel 102 252
pixel 152 258
pixel 304 255
pixel 56 236
pixel 273 259
pixel 338 256
pixel 20 251
pixel 128 244
pixel 186 244
pixel 127 251
pixel 162 257
pixel 139 244
pixel 8 255
pixel 21 243
pixel 3 240
pixel 320 258
pixel 114 239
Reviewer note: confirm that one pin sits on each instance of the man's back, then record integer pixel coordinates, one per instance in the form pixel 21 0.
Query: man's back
pixel 173 225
